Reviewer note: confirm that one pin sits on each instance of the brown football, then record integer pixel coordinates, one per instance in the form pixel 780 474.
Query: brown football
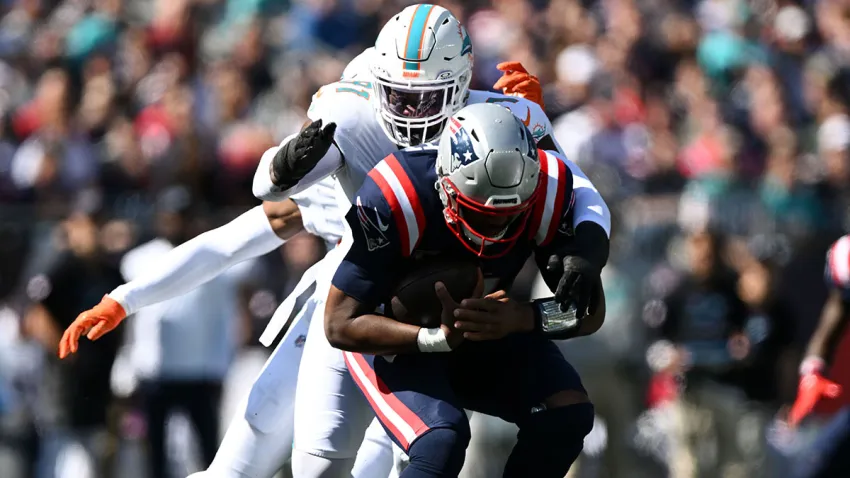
pixel 415 301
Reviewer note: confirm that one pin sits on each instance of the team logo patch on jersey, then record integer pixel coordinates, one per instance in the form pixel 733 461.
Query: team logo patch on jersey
pixel 373 230
pixel 300 340
pixel 538 131
pixel 462 151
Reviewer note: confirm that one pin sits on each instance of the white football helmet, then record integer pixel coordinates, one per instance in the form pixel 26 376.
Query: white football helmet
pixel 488 175
pixel 422 66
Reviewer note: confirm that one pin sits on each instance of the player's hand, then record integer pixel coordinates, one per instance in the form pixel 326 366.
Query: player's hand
pixel 301 154
pixel 493 317
pixel 579 283
pixel 447 318
pixel 95 323
pixel 516 81
pixel 812 388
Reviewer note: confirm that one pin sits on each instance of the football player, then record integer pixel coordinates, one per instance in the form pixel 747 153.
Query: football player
pixel 830 452
pixel 253 445
pixel 485 194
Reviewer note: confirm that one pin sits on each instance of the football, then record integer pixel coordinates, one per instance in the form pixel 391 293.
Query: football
pixel 414 299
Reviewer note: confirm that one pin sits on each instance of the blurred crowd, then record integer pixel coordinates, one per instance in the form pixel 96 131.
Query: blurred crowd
pixel 717 130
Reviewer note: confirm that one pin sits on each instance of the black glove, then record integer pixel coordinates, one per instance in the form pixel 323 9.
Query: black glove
pixel 301 154
pixel 579 283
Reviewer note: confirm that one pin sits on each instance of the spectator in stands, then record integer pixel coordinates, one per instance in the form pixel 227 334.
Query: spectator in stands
pixel 77 390
pixel 704 322
pixel 181 349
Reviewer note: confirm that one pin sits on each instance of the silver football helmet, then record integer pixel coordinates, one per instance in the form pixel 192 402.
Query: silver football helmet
pixel 488 173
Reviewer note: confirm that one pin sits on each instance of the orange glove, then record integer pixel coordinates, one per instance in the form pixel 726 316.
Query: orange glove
pixel 516 81
pixel 95 323
pixel 813 386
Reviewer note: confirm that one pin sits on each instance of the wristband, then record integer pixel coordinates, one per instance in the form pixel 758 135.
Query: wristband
pixel 432 340
pixel 553 322
pixel 812 365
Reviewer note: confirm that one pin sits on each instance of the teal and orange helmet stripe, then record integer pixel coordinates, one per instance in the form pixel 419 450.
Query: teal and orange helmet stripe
pixel 416 36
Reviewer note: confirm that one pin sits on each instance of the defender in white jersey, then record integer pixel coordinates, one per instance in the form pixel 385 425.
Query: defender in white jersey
pixel 256 442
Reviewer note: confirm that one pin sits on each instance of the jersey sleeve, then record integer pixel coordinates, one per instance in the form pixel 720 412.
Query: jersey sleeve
pixel 375 256
pixel 588 204
pixel 837 271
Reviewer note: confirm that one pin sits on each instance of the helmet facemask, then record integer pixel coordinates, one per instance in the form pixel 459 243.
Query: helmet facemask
pixel 412 113
pixel 488 230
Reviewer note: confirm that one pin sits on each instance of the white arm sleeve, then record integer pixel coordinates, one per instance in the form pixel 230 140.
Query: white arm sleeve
pixel 263 187
pixel 589 205
pixel 197 261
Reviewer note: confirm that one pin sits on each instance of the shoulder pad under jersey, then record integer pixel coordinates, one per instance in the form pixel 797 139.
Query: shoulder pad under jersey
pixel 529 112
pixel 395 198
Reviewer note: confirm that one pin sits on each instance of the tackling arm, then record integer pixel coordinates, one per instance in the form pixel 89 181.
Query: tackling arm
pixel 201 259
pixel 571 266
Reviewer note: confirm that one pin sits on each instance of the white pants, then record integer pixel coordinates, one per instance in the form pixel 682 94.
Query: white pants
pixel 260 436
pixel 331 414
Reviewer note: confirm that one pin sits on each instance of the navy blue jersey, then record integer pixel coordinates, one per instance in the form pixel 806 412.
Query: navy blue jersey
pixel 397 217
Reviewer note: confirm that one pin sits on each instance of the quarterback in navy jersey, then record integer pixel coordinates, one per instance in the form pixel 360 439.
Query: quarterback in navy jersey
pixel 485 194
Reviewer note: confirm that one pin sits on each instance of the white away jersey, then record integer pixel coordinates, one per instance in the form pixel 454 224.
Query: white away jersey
pixel 363 142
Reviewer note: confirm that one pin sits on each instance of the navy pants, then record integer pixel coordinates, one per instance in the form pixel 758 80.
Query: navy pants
pixel 507 378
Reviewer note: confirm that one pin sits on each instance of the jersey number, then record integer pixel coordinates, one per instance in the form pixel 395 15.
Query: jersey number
pixel 362 88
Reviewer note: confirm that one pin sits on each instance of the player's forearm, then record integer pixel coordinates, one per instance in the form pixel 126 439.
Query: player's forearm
pixel 830 328
pixel 591 242
pixel 199 260
pixel 374 334
pixel 349 326
pixel 268 187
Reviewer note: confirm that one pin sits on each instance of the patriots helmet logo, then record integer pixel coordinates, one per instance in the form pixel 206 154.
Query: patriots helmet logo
pixel 463 152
